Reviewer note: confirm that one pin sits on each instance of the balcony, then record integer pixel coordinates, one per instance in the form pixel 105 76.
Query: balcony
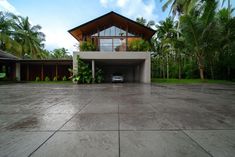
pixel 115 45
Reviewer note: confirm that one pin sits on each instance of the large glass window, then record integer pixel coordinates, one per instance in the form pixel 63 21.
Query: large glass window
pixel 113 44
pixel 112 31
pixel 106 45
pixel 112 39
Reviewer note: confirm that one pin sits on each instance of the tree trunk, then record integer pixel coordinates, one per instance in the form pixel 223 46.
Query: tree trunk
pixel 201 66
pixel 201 73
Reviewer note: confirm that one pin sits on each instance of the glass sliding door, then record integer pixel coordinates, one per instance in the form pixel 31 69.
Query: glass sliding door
pixel 106 45
pixel 112 44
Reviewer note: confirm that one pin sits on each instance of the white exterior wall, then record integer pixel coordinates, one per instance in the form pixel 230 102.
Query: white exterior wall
pixel 144 69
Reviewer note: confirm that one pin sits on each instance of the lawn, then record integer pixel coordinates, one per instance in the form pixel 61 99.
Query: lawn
pixel 188 81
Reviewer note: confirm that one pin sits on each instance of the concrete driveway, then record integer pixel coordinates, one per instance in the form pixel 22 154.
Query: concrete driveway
pixel 112 120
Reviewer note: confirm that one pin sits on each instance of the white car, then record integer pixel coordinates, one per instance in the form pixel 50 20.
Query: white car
pixel 117 78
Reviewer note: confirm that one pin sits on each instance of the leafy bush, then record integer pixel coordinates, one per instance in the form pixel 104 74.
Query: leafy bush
pixel 47 78
pixel 64 78
pixel 99 76
pixel 139 45
pixel 87 46
pixel 84 73
pixel 55 79
pixel 37 79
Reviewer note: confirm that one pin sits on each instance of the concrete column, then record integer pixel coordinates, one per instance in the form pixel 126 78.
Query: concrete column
pixel 147 70
pixel 18 71
pixel 75 63
pixel 93 68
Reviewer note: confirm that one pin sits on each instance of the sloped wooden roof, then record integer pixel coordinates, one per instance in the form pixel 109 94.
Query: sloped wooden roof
pixel 108 20
pixel 7 56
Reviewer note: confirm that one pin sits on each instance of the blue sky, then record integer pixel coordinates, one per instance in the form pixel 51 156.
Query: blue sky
pixel 58 16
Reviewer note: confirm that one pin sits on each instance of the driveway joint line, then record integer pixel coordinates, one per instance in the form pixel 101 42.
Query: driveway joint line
pixel 58 129
pixel 197 143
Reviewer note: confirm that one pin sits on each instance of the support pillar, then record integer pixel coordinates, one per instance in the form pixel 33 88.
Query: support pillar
pixel 93 69
pixel 18 71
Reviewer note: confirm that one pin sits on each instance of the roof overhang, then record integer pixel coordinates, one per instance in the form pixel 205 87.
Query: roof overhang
pixel 7 56
pixel 108 20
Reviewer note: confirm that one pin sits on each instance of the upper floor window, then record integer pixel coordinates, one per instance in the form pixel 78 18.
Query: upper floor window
pixel 112 31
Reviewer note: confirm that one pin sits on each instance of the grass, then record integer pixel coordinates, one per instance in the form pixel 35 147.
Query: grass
pixel 37 82
pixel 51 82
pixel 188 81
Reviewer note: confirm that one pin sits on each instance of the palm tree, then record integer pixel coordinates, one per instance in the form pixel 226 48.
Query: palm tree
pixel 61 53
pixel 144 22
pixel 166 33
pixel 7 42
pixel 28 36
pixel 200 31
pixel 179 6
pixel 227 43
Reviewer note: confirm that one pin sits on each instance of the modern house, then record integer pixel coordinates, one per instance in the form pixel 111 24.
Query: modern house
pixel 111 35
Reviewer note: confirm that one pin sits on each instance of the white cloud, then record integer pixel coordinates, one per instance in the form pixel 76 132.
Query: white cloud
pixel 104 3
pixel 121 3
pixel 133 8
pixel 6 6
pixel 55 38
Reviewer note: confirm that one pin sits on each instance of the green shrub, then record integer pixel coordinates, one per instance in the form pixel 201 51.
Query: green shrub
pixel 37 79
pixel 47 78
pixel 139 45
pixel 99 76
pixel 64 78
pixel 55 78
pixel 87 46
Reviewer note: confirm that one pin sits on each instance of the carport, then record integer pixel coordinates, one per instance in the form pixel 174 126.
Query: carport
pixel 134 66
pixel 130 69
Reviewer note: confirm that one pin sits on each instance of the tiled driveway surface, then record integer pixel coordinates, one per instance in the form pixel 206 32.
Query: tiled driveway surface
pixel 117 120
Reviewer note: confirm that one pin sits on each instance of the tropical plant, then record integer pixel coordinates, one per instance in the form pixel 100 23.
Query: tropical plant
pixel 61 53
pixel 200 30
pixel 99 75
pixel 179 6
pixel 87 46
pixel 7 42
pixel 19 37
pixel 84 73
pixel 47 79
pixel 28 36
pixel 144 22
pixel 64 78
pixel 139 45
pixel 37 79
pixel 55 78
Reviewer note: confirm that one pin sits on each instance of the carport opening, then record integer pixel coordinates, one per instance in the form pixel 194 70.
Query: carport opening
pixel 129 69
